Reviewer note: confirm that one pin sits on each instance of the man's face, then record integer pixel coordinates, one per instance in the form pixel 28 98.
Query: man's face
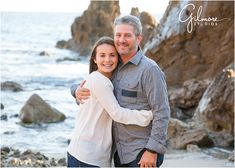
pixel 125 40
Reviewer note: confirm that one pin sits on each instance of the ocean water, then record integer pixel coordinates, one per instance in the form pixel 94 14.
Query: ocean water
pixel 23 37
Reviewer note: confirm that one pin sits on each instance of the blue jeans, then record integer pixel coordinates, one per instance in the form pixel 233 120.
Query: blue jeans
pixel 117 163
pixel 73 162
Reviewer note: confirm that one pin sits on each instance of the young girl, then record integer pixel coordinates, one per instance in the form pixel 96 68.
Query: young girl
pixel 91 142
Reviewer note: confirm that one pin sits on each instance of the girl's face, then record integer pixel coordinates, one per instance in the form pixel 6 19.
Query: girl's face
pixel 106 59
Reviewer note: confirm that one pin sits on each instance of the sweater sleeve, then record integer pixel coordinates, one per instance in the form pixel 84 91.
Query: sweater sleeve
pixel 103 91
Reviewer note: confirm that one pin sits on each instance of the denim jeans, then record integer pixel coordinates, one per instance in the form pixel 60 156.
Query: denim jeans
pixel 117 163
pixel 73 162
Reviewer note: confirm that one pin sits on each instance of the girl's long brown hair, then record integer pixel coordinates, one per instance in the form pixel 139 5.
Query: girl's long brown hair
pixel 102 40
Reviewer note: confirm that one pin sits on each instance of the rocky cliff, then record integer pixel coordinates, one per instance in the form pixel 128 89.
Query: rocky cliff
pixel 194 39
pixel 95 22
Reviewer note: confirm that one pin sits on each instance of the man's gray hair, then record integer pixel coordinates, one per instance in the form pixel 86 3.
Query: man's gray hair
pixel 130 20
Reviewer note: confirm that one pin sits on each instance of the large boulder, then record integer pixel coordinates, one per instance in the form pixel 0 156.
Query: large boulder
pixel 185 99
pixel 181 134
pixel 216 108
pixel 199 54
pixel 36 110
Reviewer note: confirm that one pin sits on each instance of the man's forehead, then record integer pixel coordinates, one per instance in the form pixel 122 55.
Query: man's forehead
pixel 123 28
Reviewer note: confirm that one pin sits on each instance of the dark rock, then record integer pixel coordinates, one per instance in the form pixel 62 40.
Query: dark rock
pixel 62 44
pixel 36 110
pixel 9 85
pixel 68 59
pixel 2 106
pixel 4 117
pixel 5 149
pixel 44 53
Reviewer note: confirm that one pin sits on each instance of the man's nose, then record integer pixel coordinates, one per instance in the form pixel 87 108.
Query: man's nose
pixel 122 39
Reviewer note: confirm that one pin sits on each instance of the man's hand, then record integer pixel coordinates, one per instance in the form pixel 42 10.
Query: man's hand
pixel 148 159
pixel 82 93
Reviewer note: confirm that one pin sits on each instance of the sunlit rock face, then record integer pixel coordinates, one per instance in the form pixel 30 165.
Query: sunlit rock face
pixel 187 47
pixel 95 22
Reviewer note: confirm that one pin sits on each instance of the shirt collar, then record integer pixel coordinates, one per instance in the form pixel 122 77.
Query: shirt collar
pixel 136 59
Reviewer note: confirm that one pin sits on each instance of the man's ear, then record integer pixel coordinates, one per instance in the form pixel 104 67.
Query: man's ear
pixel 139 38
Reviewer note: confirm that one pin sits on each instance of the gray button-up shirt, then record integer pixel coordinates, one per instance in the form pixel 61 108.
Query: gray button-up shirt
pixel 140 84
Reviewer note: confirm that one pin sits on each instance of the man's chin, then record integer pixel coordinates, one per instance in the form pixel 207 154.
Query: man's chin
pixel 123 52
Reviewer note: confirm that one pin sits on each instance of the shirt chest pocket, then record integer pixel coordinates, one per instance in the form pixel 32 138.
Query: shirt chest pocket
pixel 129 92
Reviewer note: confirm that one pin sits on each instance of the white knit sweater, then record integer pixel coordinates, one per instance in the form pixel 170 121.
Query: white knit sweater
pixel 91 141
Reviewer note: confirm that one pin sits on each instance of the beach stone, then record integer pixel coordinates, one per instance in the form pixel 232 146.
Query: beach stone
pixel 12 86
pixel 4 117
pixel 36 110
pixel 44 53
pixel 14 158
pixel 193 148
pixel 5 149
pixel 231 157
pixel 180 134
pixel 62 44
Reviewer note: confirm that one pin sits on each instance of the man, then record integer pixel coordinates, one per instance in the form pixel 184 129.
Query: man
pixel 138 83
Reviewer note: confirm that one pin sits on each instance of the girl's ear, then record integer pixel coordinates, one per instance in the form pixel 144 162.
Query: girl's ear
pixel 95 61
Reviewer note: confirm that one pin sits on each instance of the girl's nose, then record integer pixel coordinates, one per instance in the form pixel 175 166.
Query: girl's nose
pixel 107 59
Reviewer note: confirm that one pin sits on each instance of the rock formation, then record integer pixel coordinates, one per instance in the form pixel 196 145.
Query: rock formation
pixel 36 110
pixel 95 22
pixel 216 108
pixel 199 54
pixel 148 25
pixel 12 86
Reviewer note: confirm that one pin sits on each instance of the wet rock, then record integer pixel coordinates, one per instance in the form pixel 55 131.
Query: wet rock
pixel 14 158
pixel 5 149
pixel 62 44
pixel 2 106
pixel 14 116
pixel 44 53
pixel 4 117
pixel 9 132
pixel 36 110
pixel 68 59
pixel 13 86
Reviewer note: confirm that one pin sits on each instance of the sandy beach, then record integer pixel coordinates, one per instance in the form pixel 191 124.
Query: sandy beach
pixel 181 158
